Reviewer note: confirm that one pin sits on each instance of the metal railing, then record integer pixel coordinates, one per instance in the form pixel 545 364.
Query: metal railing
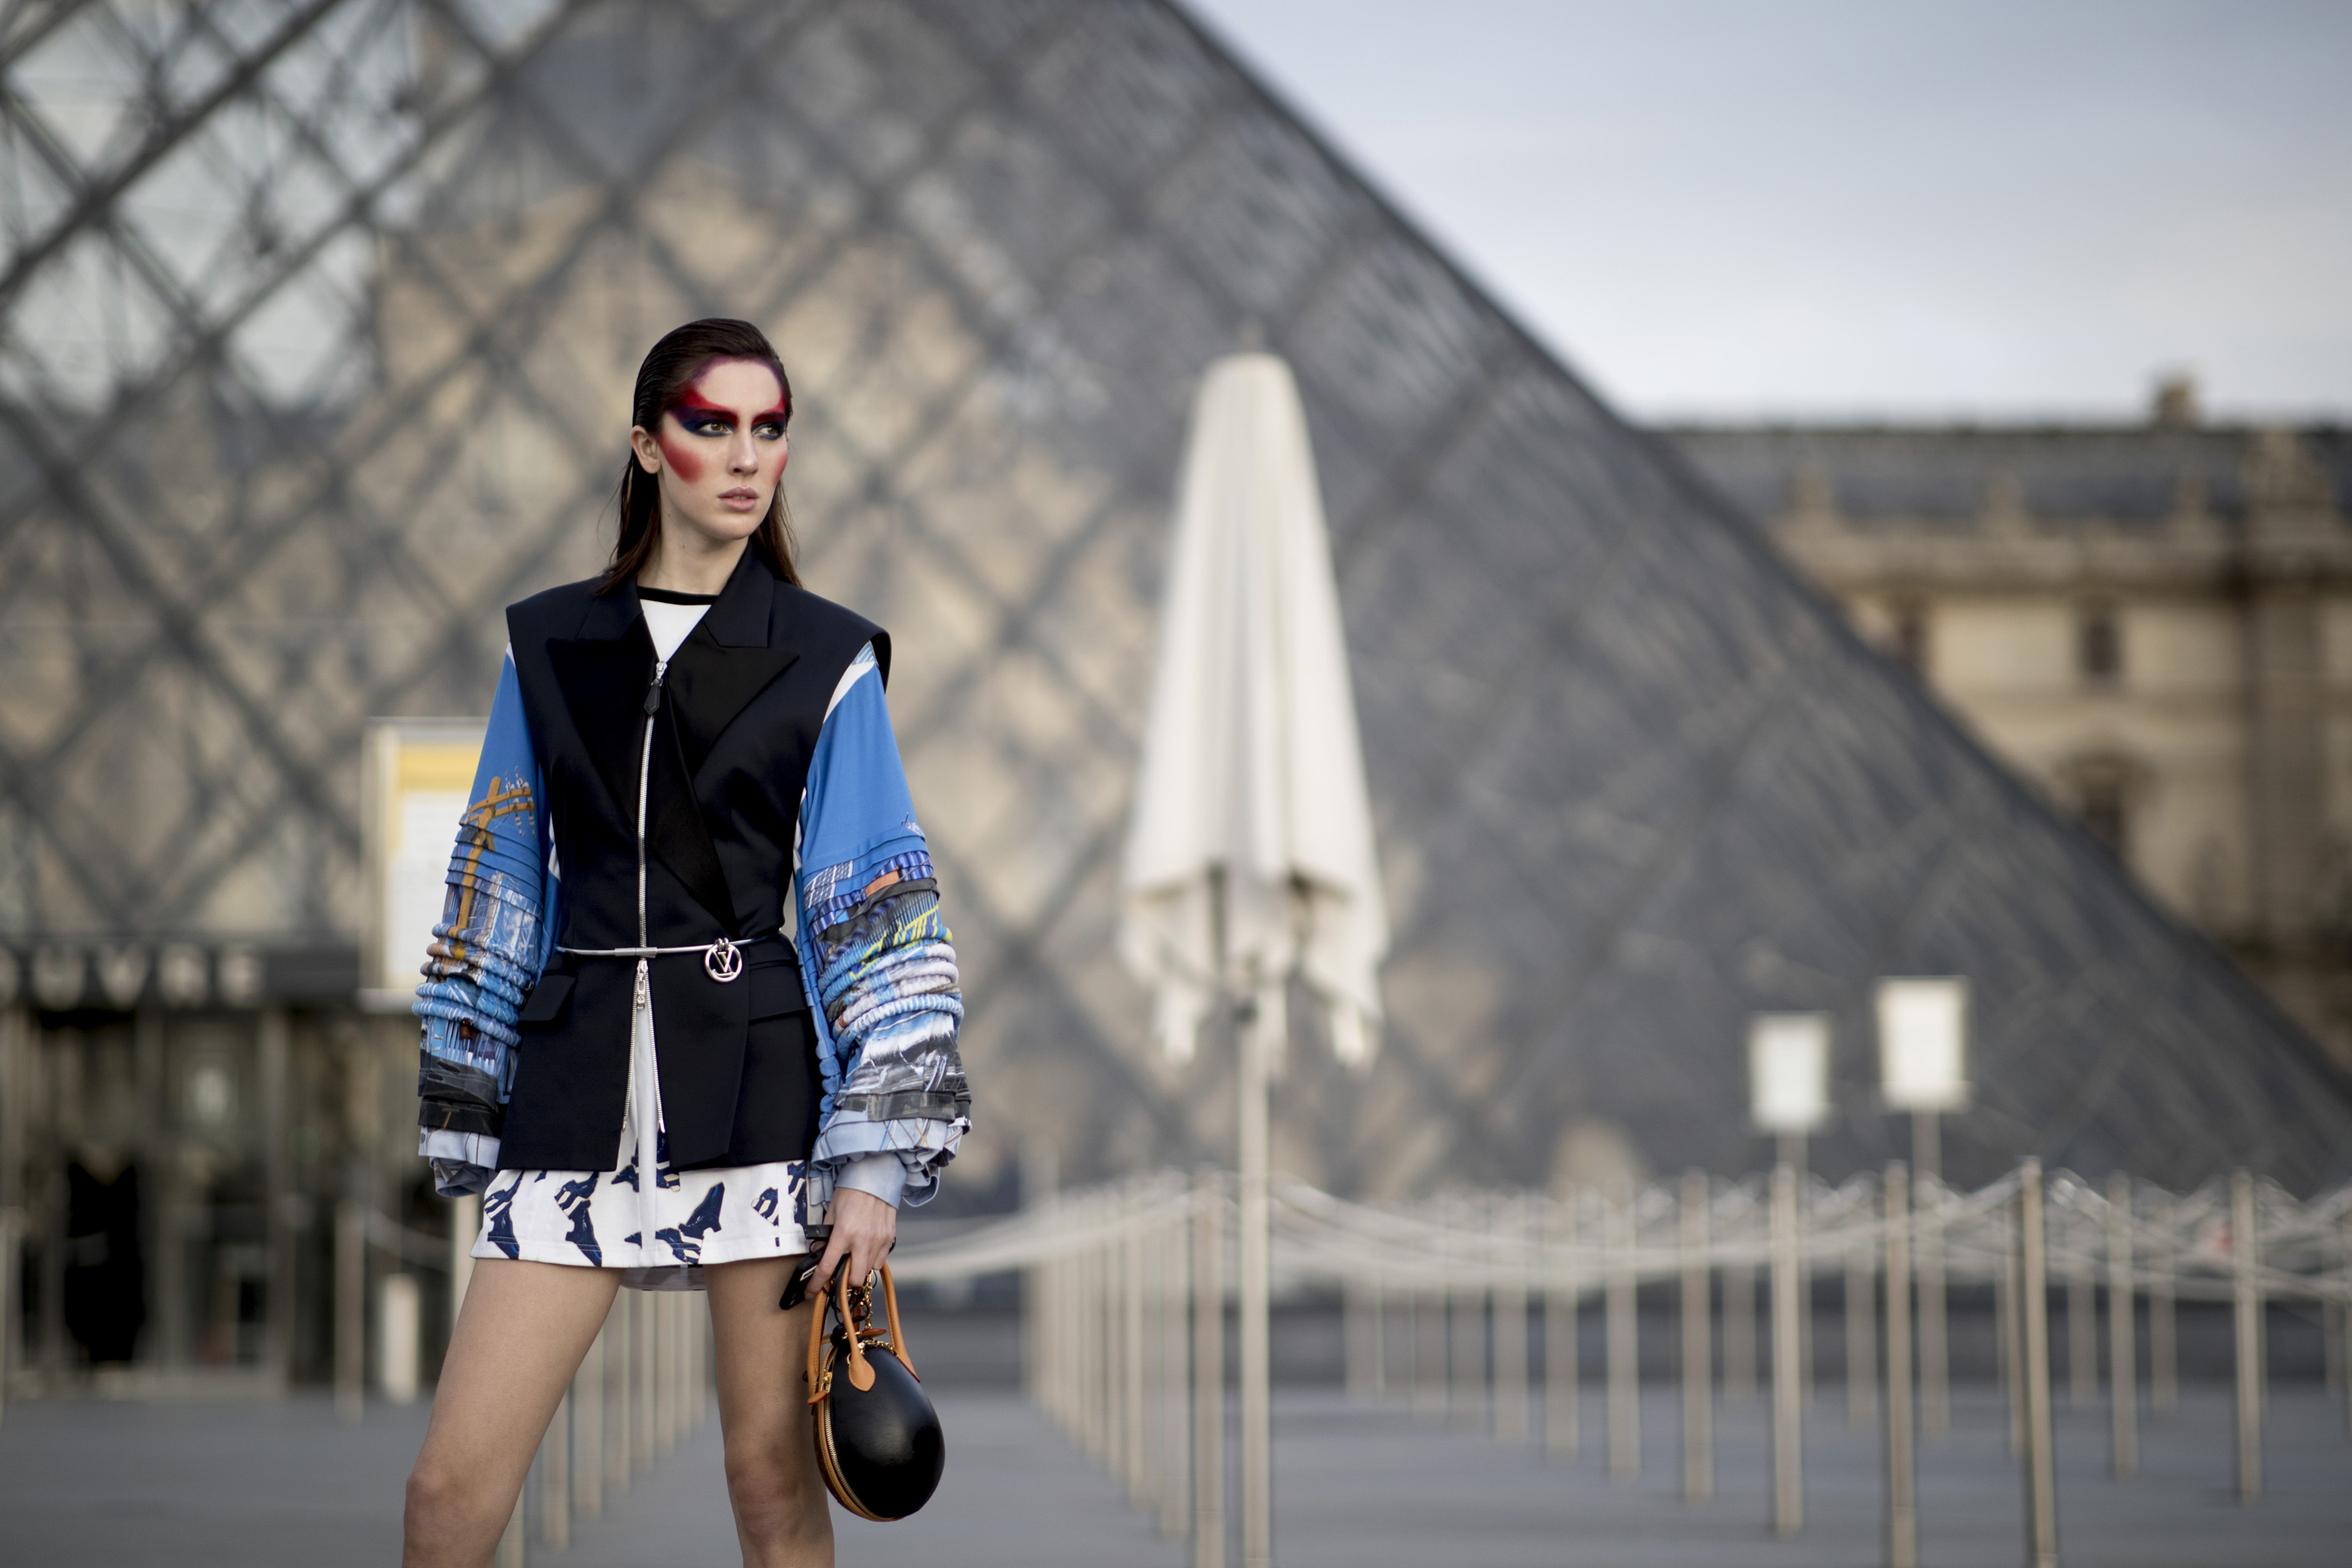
pixel 1127 1287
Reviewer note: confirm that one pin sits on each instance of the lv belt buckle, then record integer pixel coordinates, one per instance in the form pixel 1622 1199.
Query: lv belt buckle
pixel 722 960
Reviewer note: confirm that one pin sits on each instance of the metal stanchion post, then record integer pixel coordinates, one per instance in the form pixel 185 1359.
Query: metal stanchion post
pixel 1861 1338
pixel 1175 1389
pixel 1083 1352
pixel 1086 1270
pixel 2344 1314
pixel 1052 1360
pixel 666 1389
pixel 1511 1419
pixel 1209 1377
pixel 1928 1265
pixel 1697 1349
pixel 694 1361
pixel 1067 1357
pixel 1624 1346
pixel 1787 1391
pixel 2033 1315
pixel 351 1309
pixel 2246 1301
pixel 1111 1319
pixel 2006 1331
pixel 2331 1332
pixel 1901 1494
pixel 1428 1351
pixel 642 1334
pixel 1739 1333
pixel 7 1274
pixel 1562 1419
pixel 1138 1476
pixel 1465 1396
pixel 1256 1281
pixel 1103 1409
pixel 2122 1349
pixel 13 1025
pixel 2081 1320
pixel 1154 1278
pixel 1793 1145
pixel 1358 1324
pixel 1077 1381
pixel 2163 1341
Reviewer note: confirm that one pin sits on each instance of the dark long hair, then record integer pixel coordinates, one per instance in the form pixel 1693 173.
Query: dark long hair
pixel 669 368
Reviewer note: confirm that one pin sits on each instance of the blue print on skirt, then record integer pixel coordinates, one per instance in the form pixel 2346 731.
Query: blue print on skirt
pixel 695 1219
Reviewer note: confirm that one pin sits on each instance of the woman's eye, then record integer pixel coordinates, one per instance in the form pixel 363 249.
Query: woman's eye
pixel 709 427
pixel 769 431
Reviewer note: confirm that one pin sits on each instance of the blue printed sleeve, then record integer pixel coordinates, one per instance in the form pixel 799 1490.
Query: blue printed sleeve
pixel 486 952
pixel 878 959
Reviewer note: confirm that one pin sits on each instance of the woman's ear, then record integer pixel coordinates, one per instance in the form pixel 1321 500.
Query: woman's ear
pixel 647 449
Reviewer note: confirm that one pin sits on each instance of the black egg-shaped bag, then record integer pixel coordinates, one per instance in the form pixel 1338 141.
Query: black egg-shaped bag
pixel 877 1438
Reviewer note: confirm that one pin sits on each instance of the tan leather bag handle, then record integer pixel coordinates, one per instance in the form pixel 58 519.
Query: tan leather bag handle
pixel 860 1371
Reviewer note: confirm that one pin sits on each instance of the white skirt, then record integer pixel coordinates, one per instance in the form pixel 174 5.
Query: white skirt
pixel 661 1234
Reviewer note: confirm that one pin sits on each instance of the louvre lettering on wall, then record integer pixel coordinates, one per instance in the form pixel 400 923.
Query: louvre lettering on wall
pixel 316 322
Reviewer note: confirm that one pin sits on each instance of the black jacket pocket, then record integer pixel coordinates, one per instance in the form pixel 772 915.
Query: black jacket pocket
pixel 546 1001
pixel 775 990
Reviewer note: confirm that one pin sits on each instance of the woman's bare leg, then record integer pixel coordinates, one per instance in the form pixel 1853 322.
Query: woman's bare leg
pixel 780 1517
pixel 519 1339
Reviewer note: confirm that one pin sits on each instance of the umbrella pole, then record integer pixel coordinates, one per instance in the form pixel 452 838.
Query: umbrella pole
pixel 1257 1262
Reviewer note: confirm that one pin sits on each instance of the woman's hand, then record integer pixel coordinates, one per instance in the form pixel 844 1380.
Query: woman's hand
pixel 863 1226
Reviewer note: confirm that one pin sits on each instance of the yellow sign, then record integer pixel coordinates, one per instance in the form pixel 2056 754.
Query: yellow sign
pixel 419 772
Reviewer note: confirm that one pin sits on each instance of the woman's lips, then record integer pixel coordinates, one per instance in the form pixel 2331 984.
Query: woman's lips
pixel 739 499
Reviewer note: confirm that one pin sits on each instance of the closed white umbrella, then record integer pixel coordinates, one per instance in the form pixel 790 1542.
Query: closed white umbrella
pixel 1249 858
pixel 1253 775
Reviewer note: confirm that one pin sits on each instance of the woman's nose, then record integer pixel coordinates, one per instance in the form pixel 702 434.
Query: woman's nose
pixel 742 454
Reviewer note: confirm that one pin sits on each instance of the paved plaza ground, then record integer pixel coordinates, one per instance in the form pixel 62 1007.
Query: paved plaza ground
pixel 97 1484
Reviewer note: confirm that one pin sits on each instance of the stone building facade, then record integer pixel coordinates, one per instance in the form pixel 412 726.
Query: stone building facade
pixel 2152 622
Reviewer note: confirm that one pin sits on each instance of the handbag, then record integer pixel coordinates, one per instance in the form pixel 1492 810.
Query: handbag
pixel 877 1438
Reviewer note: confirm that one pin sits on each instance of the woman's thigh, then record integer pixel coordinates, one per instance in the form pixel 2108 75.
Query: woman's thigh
pixel 519 1339
pixel 763 1407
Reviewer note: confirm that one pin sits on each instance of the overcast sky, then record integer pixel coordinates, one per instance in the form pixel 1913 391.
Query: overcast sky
pixel 1730 209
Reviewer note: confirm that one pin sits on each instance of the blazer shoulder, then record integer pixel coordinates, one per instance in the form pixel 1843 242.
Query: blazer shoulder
pixel 552 613
pixel 833 632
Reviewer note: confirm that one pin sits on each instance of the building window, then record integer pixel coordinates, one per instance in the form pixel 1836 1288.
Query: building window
pixel 2105 789
pixel 1907 633
pixel 2099 645
pixel 2106 813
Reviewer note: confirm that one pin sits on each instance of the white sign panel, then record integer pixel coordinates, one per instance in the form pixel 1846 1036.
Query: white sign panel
pixel 1923 1033
pixel 419 773
pixel 1788 1070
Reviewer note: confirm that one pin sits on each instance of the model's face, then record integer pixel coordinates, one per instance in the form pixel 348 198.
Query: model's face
pixel 720 452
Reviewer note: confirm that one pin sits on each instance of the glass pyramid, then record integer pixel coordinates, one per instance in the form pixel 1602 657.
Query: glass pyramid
pixel 316 324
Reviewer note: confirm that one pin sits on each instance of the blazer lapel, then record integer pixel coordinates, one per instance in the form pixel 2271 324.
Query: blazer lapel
pixel 713 677
pixel 675 834
pixel 725 662
pixel 602 674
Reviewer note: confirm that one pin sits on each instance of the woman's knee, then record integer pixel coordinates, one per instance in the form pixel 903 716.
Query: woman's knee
pixel 444 1499
pixel 773 1499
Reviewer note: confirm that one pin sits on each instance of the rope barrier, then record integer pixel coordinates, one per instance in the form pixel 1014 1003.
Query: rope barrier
pixel 1127 1285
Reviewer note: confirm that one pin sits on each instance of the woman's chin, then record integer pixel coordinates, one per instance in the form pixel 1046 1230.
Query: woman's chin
pixel 727 527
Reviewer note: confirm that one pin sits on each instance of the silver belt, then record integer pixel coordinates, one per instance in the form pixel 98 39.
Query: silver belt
pixel 721 960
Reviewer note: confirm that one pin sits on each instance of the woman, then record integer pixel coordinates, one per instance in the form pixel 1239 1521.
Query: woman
pixel 626 1051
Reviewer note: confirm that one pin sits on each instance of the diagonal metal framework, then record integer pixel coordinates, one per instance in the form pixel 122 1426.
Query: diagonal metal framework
pixel 317 321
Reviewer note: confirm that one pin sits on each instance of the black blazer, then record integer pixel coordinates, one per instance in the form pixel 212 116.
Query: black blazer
pixel 736 718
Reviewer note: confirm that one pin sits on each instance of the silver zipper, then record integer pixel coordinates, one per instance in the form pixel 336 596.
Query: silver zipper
pixel 644 776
